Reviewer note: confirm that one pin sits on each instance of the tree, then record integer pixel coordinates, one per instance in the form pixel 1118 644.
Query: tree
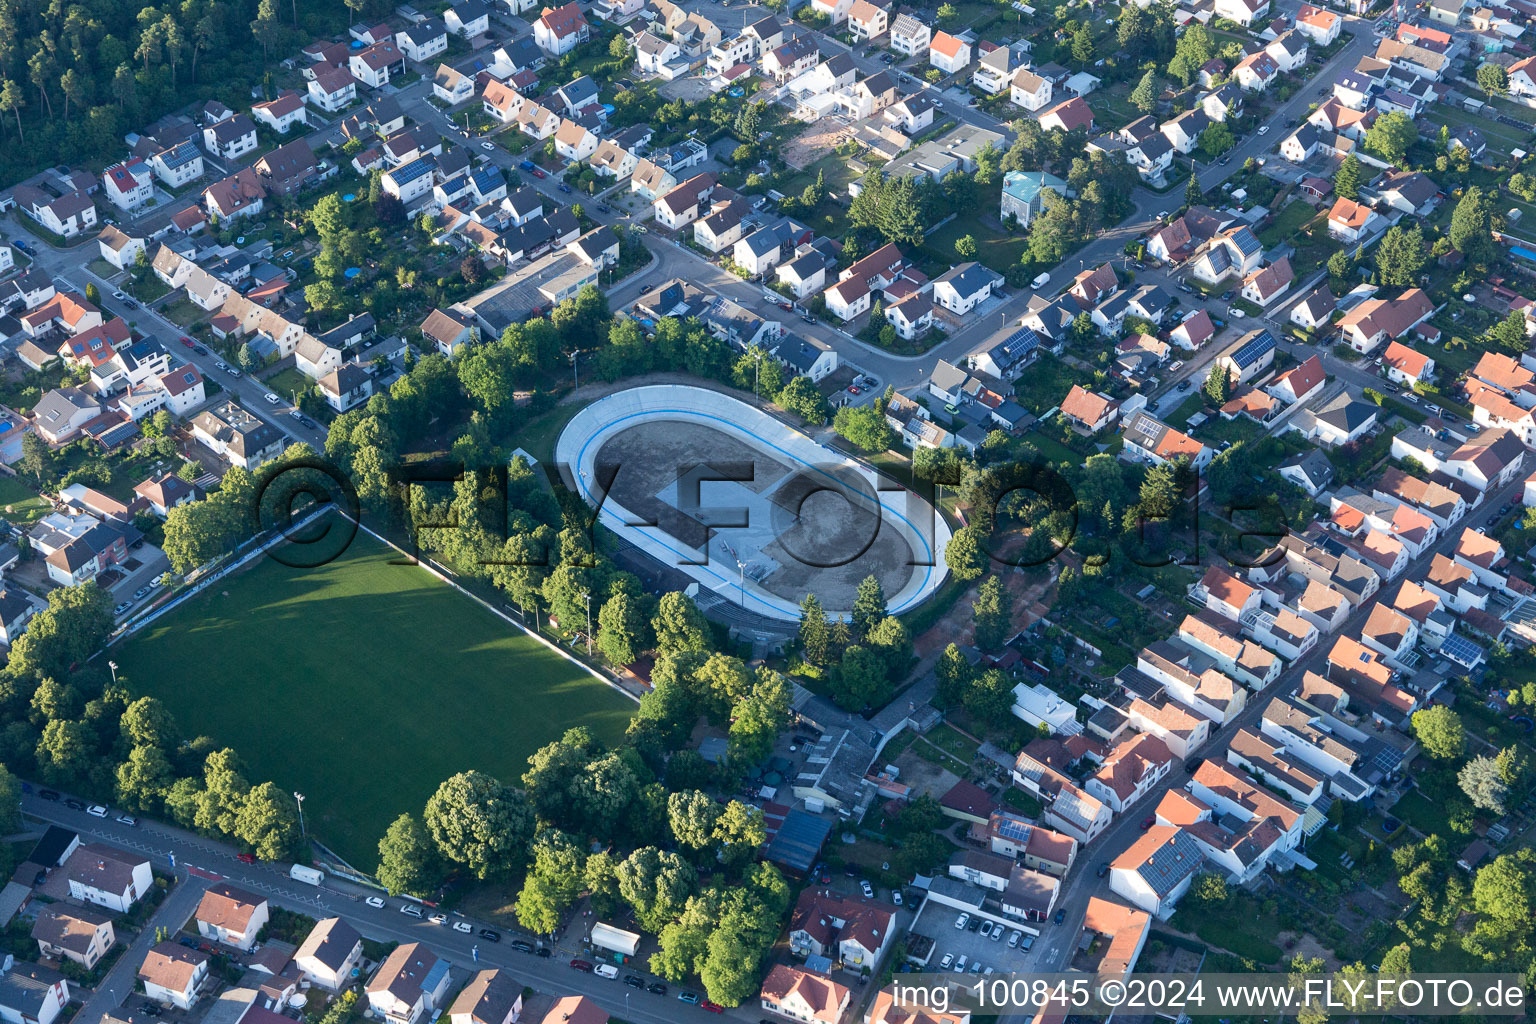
pixel 656 884
pixel 74 626
pixel 268 822
pixel 1391 137
pixel 12 101
pixel 1193 193
pixel 965 247
pixel 1340 266
pixel 965 554
pixel 1471 230
pixel 1144 96
pixel 1216 140
pixel 553 771
pixel 618 48
pixel 1347 179
pixel 1502 889
pixel 680 626
pixel 739 831
pixel 801 397
pixel 407 858
pixel 865 426
pixel 758 718
pixel 692 815
pixel 145 778
pixel 947 12
pixel 1483 782
pixel 990 698
pixel 952 674
pixel 1439 732
pixel 868 606
pixel 1218 385
pixel 478 822
pixel 1401 255
pixel 1493 80
pixel 992 613
pixel 36 456
pixel 1082 45
pixel 814 633
pixel 860 680
pixel 621 629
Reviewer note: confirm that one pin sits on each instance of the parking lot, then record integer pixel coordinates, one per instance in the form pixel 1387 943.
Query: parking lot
pixel 937 921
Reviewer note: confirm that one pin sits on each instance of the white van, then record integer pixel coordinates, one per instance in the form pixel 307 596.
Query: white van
pixel 1040 282
pixel 605 970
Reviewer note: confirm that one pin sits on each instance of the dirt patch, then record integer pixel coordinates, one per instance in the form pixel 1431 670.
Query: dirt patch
pixel 925 776
pixel 814 143
pixel 1033 594
pixel 1304 945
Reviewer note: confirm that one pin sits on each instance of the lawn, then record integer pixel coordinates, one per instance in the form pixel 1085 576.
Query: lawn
pixel 1287 222
pixel 287 383
pixel 995 248
pixel 1045 385
pixel 362 684
pixel 19 503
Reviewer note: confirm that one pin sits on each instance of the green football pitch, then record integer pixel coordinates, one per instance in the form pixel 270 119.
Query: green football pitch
pixel 362 685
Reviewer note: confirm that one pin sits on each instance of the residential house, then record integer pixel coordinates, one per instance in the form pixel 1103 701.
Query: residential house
pixel 948 53
pixel 231 138
pixel 128 185
pixel 67 215
pixel 1024 194
pixel 963 287
pixel 804 995
pixel 491 997
pixel 410 983
pixel 1087 411
pixel 1349 221
pixel 1157 870
pixel 1322 26
pixel 235 434
pixel 66 932
pixel 867 21
pixel 1375 321
pixel 911 36
pixel 1315 310
pixel 423 40
pixel 332 89
pixel 1405 366
pixel 853 292
pixel 118 247
pixel 1256 72
pixel 231 916
pixel 449 329
pixel 558 30
pixel 1069 115
pixel 173 973
pixel 849 928
pixel 329 954
pixel 282 113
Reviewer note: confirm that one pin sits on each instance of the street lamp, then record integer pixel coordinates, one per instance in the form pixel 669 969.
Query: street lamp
pixel 300 798
pixel 587 598
pixel 575 378
pixel 113 666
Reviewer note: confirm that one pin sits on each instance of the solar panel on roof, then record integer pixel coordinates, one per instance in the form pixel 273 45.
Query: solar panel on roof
pixel 1254 348
pixel 1010 829
pixel 1458 648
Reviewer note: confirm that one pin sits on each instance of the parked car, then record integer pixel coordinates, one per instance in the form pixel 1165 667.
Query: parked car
pixel 896 896
pixel 270 398
pixel 246 858
pixel 711 1007
pixel 582 965
pixel 1013 938
pixel 376 902
pixel 490 935
pixel 97 810
pixel 411 910
pixel 656 988
pixel 565 188
pixel 49 794
pixel 462 927
pixel 72 803
pixel 1235 313
pixel 1148 823
pixel 986 929
pixel 186 341
pixel 538 173
pixel 634 981
pixel 1103 868
pixel 689 997
pixel 487 146
pixel 1061 915
pixel 522 945
pixel 962 921
pixel 1184 385
pixel 438 918
pixel 1027 943
pixel 128 819
pixel 947 962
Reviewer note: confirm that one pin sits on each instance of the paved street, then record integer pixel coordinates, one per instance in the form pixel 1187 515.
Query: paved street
pixel 338 897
